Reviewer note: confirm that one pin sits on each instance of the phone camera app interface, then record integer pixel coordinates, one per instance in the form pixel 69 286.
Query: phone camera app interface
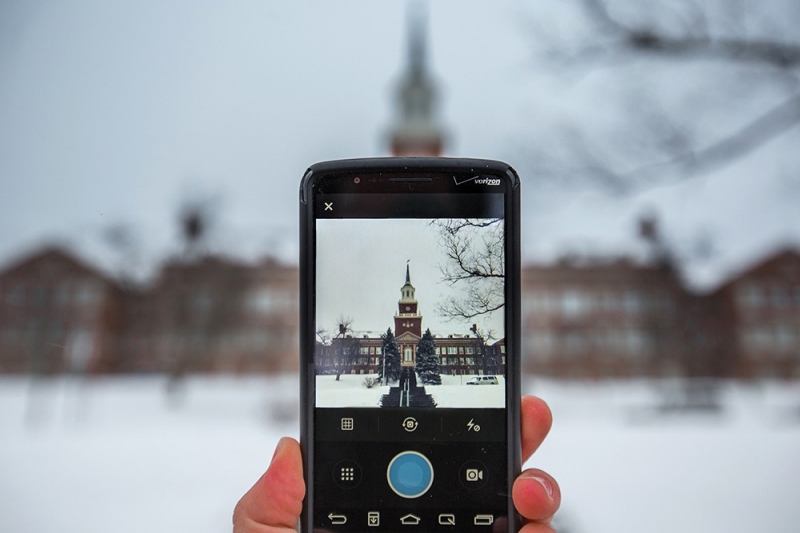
pixel 410 365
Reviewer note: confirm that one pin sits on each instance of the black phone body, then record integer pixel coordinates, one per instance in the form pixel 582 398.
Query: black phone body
pixel 410 345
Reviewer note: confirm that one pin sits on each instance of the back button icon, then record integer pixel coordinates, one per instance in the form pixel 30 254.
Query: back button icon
pixel 337 519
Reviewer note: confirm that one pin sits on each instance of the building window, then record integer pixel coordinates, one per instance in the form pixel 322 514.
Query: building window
pixel 574 342
pixel 17 295
pixel 779 297
pixel 61 295
pixel 784 337
pixel 632 302
pixel 39 295
pixel 611 302
pixel 408 354
pixel 761 337
pixel 575 303
pixel 750 296
pixel 538 341
pixel 87 293
pixel 261 300
pixel 635 342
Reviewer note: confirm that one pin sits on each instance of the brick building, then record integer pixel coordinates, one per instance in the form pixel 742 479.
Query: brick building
pixel 599 319
pixel 617 319
pixel 212 315
pixel 580 320
pixel 58 315
pixel 459 354
pixel 218 315
pixel 764 304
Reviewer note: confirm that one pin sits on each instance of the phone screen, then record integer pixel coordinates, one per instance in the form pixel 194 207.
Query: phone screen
pixel 410 368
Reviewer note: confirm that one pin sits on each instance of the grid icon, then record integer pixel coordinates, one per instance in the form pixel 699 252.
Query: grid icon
pixel 347 424
pixel 347 473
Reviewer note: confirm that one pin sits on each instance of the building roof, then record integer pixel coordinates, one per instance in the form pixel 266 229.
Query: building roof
pixel 766 266
pixel 49 255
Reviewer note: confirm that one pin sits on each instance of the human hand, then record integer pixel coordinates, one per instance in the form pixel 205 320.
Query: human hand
pixel 274 503
pixel 536 494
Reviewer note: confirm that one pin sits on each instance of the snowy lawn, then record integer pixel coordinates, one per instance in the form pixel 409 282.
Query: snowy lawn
pixel 118 454
pixel 349 391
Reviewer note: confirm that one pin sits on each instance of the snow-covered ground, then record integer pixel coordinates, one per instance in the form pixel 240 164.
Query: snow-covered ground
pixel 119 454
pixel 349 391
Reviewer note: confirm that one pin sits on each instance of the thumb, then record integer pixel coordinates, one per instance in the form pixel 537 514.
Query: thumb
pixel 274 503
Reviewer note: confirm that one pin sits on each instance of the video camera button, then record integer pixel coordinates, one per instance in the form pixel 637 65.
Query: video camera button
pixel 410 474
pixel 473 475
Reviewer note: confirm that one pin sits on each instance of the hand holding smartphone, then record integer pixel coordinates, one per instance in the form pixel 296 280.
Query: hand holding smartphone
pixel 410 345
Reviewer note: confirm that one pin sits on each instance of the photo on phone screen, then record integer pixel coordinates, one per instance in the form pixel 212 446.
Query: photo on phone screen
pixel 392 309
pixel 407 383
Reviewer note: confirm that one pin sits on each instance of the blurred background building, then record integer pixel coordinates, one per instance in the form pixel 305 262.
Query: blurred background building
pixel 584 315
pixel 212 315
pixel 582 318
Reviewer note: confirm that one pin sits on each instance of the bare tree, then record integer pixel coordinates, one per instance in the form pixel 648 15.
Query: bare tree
pixel 123 240
pixel 323 337
pixel 345 346
pixel 475 252
pixel 712 82
pixel 484 357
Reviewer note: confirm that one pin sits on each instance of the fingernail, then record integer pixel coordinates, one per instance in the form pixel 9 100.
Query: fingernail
pixel 278 448
pixel 546 485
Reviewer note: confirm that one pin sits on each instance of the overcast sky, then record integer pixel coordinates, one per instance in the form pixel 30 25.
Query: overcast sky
pixel 362 266
pixel 113 113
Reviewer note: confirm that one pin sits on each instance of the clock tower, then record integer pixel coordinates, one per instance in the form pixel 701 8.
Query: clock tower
pixel 407 319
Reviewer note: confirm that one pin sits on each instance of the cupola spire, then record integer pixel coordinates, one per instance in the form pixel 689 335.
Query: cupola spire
pixel 417 132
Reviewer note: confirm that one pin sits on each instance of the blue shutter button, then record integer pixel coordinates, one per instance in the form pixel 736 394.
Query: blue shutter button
pixel 410 474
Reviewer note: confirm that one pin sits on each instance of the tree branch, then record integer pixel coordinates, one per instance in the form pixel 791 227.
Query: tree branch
pixel 782 55
pixel 769 125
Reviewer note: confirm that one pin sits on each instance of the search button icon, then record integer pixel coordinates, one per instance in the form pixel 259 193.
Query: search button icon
pixel 447 519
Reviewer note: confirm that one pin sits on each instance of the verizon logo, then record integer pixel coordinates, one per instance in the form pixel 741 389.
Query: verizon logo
pixel 479 181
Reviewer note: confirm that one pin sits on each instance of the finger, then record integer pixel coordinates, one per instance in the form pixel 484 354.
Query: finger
pixel 537 527
pixel 535 424
pixel 275 502
pixel 536 495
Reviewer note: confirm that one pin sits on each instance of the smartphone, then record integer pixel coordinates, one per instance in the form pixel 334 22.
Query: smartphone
pixel 410 345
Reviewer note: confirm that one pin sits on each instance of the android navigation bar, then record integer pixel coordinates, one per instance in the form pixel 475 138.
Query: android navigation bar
pixel 374 519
